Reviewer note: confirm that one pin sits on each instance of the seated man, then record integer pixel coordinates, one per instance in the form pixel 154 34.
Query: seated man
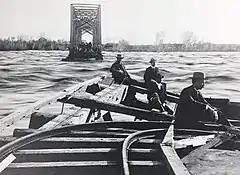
pixel 157 93
pixel 151 72
pixel 193 107
pixel 119 72
pixel 157 90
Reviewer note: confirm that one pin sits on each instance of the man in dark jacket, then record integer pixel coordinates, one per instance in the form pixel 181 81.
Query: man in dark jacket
pixel 151 72
pixel 192 106
pixel 157 93
pixel 157 90
pixel 119 72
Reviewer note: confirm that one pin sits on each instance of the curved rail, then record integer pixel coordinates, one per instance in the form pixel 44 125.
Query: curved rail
pixel 8 148
pixel 131 139
pixel 141 130
pixel 148 134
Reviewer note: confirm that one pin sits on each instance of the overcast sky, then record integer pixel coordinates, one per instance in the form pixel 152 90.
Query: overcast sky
pixel 136 21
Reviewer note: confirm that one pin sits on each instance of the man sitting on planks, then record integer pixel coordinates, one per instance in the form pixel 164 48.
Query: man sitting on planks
pixel 157 89
pixel 119 73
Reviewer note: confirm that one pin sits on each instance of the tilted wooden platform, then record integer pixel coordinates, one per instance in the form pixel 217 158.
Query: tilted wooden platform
pixel 89 129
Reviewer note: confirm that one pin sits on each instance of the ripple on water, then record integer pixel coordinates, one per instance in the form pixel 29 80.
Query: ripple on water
pixel 27 76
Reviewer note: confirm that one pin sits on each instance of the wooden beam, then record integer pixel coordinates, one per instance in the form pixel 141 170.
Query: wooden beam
pixel 93 140
pixel 63 118
pixel 26 111
pixel 87 142
pixel 168 139
pixel 81 154
pixel 63 168
pixel 5 163
pixel 85 139
pixel 145 163
pixel 79 164
pixel 23 132
pixel 79 150
pixel 66 142
pixel 139 113
pixel 174 164
pixel 65 151
pixel 61 164
pixel 112 94
pixel 84 113
pixel 234 122
pixel 88 132
pixel 69 154
pixel 193 141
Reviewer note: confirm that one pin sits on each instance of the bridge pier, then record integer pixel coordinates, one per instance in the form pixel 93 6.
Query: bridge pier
pixel 85 18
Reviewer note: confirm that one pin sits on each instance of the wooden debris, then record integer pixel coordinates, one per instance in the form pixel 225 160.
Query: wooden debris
pixel 139 113
pixel 174 163
pixel 214 142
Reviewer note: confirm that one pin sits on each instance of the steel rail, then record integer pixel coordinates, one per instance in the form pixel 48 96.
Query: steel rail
pixel 18 143
pixel 133 138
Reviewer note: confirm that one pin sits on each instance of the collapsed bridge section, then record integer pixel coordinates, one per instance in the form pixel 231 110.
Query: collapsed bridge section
pixel 85 18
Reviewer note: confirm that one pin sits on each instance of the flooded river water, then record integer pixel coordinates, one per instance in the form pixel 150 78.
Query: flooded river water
pixel 28 76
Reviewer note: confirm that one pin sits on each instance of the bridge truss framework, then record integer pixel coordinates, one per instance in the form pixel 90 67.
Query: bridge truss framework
pixel 85 18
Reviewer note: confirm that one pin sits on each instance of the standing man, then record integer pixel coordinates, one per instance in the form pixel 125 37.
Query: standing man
pixel 193 107
pixel 119 72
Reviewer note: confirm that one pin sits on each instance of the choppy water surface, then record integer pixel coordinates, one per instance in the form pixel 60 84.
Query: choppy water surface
pixel 28 76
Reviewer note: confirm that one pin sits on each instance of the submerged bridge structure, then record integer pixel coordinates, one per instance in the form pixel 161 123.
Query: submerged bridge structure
pixel 85 18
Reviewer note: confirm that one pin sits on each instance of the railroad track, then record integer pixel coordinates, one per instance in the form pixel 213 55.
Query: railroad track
pixel 95 148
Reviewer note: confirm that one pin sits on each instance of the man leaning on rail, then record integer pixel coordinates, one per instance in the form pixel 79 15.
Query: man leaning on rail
pixel 193 107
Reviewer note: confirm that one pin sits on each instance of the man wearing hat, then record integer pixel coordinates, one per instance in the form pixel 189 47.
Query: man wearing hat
pixel 192 106
pixel 119 72
pixel 153 81
pixel 151 72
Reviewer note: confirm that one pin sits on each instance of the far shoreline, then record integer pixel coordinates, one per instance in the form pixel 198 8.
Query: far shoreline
pixel 44 44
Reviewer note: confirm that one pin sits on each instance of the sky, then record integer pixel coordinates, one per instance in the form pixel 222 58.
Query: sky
pixel 137 21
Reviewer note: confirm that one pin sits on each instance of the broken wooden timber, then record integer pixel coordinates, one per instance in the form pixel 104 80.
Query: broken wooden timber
pixel 119 108
pixel 168 138
pixel 174 164
pixel 193 141
pixel 63 118
pixel 112 94
pixel 28 110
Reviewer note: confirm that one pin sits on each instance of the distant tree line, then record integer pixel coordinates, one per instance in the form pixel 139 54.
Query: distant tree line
pixel 12 44
pixel 172 47
pixel 190 43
